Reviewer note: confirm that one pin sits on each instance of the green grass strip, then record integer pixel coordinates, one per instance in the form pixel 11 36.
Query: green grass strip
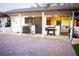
pixel 76 48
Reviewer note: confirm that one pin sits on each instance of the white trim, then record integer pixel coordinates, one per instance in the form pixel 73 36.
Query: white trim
pixel 20 23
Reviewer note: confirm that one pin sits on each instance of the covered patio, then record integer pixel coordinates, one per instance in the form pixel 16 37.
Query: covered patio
pixel 61 17
pixel 36 20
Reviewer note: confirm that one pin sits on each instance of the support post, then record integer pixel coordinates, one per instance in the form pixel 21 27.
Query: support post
pixel 3 25
pixel 20 23
pixel 71 26
pixel 43 24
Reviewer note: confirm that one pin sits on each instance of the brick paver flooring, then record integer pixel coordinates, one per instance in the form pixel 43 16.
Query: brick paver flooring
pixel 17 45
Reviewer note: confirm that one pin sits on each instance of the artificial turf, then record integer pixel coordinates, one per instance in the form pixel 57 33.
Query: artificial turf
pixel 76 48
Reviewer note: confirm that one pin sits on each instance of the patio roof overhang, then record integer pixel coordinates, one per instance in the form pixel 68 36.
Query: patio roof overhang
pixel 41 9
pixel 3 14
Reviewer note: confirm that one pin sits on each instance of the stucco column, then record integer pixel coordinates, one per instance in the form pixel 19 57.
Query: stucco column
pixel 71 26
pixel 20 23
pixel 43 24
pixel 3 25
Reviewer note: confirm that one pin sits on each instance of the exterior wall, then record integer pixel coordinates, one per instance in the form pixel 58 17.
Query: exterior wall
pixel 75 23
pixel 15 24
pixel 54 19
pixel 18 20
pixel 4 29
pixel 65 20
pixel 29 15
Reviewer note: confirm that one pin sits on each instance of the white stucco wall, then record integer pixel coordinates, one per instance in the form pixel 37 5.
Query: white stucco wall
pixel 18 23
pixel 18 20
pixel 15 24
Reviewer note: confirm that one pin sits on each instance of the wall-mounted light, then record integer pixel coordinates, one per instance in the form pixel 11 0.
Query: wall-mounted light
pixel 33 16
pixel 56 15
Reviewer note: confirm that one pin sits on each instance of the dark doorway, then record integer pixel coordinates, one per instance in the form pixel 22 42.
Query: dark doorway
pixel 38 25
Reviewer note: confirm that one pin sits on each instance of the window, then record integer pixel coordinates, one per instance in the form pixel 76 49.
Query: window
pixel 0 24
pixel 8 23
pixel 29 20
pixel 26 20
pixel 48 22
pixel 58 22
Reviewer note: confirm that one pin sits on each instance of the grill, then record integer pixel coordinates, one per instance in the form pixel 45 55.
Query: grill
pixel 50 29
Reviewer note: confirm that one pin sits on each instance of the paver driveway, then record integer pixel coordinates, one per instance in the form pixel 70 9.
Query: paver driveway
pixel 15 45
